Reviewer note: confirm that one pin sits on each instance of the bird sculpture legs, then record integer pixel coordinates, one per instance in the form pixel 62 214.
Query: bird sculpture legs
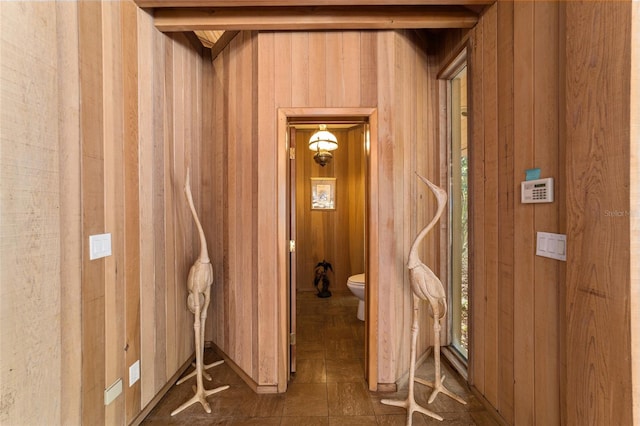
pixel 438 384
pixel 203 318
pixel 201 393
pixel 207 376
pixel 410 403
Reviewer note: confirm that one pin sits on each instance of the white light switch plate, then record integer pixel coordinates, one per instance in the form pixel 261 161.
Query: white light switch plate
pixel 552 245
pixel 99 246
pixel 134 373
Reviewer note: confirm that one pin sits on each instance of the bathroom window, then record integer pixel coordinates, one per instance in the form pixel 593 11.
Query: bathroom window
pixel 458 210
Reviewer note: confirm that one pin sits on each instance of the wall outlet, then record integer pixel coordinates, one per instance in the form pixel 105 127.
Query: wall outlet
pixel 134 373
pixel 99 246
pixel 112 392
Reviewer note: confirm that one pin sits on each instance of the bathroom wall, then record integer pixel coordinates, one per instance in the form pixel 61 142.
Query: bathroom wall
pixel 335 235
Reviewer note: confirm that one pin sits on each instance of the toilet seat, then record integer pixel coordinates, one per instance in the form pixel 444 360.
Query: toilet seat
pixel 357 280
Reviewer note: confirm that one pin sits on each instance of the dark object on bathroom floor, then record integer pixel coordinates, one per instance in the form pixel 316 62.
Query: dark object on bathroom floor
pixel 322 277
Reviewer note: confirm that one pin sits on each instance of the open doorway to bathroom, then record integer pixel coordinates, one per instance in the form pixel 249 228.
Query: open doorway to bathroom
pixel 328 204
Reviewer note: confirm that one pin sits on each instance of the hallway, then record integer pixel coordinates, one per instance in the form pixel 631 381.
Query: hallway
pixel 328 388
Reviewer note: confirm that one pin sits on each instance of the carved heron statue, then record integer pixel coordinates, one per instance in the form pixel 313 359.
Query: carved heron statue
pixel 425 285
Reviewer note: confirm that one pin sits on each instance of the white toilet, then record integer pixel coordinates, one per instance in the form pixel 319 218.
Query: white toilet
pixel 356 285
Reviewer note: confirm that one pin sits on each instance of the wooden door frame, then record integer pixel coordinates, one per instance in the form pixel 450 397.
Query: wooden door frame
pixel 371 268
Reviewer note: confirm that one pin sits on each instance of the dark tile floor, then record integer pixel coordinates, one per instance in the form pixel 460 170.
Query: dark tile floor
pixel 328 387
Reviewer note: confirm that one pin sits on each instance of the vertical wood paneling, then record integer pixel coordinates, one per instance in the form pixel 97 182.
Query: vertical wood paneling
pixel 524 244
pixel 477 299
pixel 132 203
pixel 160 268
pixel 334 72
pixel 299 69
pixel 597 166
pixel 246 142
pixel 547 155
pixel 351 59
pixel 405 226
pixel 70 216
pixel 146 206
pixel 167 175
pixel 368 68
pixel 217 165
pixel 114 198
pixel 386 249
pixel 634 201
pixel 281 96
pixel 267 205
pixel 105 139
pixel 30 195
pixel 92 178
pixel 506 203
pixel 557 346
pixel 491 152
pixel 317 84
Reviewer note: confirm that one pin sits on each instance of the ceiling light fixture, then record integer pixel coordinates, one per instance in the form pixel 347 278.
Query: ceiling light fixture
pixel 322 142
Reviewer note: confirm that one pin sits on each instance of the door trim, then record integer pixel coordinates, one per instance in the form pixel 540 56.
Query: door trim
pixel 371 268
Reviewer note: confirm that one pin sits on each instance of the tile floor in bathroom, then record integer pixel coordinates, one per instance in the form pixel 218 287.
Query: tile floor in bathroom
pixel 328 387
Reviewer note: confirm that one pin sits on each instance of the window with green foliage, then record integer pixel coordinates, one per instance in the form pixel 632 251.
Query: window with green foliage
pixel 459 213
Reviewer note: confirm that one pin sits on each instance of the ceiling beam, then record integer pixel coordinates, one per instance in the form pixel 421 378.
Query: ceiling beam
pixel 314 18
pixel 294 3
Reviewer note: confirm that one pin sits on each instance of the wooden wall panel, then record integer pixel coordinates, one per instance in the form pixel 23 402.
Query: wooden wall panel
pixel 524 246
pixel 93 215
pixel 477 299
pixel 70 215
pixel 131 192
pixel 491 152
pixel 548 278
pixel 31 180
pixel 113 134
pixel 98 124
pixel 506 202
pixel 634 193
pixel 147 226
pixel 598 64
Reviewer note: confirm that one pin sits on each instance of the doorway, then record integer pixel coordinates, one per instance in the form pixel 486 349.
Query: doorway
pixel 355 127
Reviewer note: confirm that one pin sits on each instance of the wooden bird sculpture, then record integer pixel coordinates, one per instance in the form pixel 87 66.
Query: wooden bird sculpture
pixel 199 285
pixel 425 285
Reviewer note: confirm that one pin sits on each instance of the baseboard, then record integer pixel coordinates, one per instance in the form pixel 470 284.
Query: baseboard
pixel 387 387
pixel 172 381
pixel 404 379
pixel 488 407
pixel 240 372
pixel 455 361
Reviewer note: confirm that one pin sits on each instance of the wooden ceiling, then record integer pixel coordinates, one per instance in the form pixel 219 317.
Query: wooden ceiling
pixel 210 19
